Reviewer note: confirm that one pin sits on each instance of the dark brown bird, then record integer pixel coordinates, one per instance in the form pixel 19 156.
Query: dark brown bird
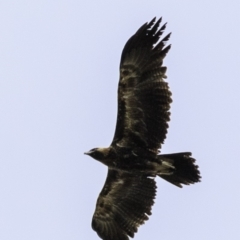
pixel 133 158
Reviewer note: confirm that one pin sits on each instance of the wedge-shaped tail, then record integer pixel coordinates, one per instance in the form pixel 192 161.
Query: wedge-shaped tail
pixel 184 170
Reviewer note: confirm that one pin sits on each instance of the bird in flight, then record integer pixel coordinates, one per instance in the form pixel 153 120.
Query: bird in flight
pixel 133 158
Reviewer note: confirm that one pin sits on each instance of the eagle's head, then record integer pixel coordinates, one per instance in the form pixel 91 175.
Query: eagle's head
pixel 98 153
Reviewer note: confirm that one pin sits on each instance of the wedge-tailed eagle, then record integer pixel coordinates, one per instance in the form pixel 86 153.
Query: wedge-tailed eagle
pixel 133 158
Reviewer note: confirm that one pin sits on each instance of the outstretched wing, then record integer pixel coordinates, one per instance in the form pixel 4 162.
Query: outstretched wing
pixel 143 96
pixel 123 204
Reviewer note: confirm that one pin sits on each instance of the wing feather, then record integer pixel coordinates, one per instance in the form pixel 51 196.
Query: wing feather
pixel 123 204
pixel 143 96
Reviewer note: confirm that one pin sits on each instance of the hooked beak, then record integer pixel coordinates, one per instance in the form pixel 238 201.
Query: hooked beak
pixel 90 152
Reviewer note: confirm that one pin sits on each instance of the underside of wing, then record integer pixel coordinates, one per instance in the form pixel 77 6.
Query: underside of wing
pixel 123 204
pixel 143 96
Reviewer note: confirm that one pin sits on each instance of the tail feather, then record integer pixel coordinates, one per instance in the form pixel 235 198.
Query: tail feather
pixel 185 171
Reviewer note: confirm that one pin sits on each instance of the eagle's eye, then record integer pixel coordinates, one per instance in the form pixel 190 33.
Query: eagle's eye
pixel 93 150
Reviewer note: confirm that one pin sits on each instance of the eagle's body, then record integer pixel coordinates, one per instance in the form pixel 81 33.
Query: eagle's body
pixel 133 158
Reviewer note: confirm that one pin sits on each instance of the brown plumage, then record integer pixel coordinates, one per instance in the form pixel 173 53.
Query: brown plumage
pixel 133 158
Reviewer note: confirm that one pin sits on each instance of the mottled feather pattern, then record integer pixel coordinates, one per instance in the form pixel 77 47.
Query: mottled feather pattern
pixel 124 203
pixel 142 91
pixel 156 100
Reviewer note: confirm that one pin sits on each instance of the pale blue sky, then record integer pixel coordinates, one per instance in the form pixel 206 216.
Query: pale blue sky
pixel 58 98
